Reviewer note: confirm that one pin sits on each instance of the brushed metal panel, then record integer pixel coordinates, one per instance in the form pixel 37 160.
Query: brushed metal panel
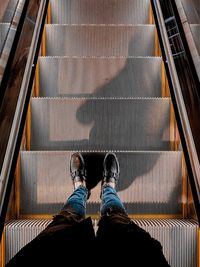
pixel 4 27
pixel 100 40
pixel 7 10
pixel 100 77
pixel 150 182
pixel 100 12
pixel 196 34
pixel 192 10
pixel 100 124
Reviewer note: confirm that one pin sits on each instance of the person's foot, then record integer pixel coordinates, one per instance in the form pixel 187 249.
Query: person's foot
pixel 77 170
pixel 111 170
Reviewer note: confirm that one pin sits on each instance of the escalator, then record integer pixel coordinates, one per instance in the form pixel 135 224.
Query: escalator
pixel 100 85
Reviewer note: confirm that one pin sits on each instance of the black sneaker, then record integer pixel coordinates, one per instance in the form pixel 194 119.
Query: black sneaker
pixel 111 169
pixel 77 168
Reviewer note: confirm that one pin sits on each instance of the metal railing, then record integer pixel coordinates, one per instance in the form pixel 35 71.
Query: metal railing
pixel 182 84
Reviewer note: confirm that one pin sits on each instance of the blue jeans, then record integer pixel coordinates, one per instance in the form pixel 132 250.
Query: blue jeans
pixel 110 200
pixel 77 201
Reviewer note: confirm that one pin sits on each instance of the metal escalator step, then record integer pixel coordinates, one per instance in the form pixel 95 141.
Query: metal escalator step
pixel 179 238
pixel 100 124
pixel 150 182
pixel 100 40
pixel 20 232
pixel 100 77
pixel 196 34
pixel 101 11
pixel 4 27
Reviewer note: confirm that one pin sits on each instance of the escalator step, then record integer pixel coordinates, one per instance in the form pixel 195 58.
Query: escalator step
pixel 4 27
pixel 100 124
pixel 100 77
pixel 45 181
pixel 100 40
pixel 196 34
pixel 101 11
pixel 178 237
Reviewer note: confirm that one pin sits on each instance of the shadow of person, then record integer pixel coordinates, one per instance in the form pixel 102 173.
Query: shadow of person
pixel 125 118
pixel 123 113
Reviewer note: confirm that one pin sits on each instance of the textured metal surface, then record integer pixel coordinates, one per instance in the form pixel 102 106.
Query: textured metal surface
pixel 192 10
pixel 154 187
pixel 4 27
pixel 100 40
pixel 100 77
pixel 100 124
pixel 178 237
pixel 101 11
pixel 196 34
pixel 20 232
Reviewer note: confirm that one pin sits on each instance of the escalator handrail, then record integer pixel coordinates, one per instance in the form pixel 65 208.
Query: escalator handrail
pixel 187 139
pixel 18 123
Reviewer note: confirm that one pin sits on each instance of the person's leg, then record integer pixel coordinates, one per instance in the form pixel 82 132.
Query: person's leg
pixel 117 234
pixel 74 209
pixel 76 202
pixel 110 200
pixel 66 232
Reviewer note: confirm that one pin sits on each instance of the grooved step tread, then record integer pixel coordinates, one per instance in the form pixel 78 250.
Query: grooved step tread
pixel 100 40
pixel 178 237
pixel 101 11
pixel 100 124
pixel 100 77
pixel 154 187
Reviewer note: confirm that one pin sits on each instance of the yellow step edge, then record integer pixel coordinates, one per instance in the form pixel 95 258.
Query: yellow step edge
pixel 3 250
pixel 49 13
pixel 97 216
pixel 151 16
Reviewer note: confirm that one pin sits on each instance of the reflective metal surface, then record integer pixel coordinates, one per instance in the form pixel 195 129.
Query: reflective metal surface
pixel 178 237
pixel 100 12
pixel 100 77
pixel 44 172
pixel 100 124
pixel 100 40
